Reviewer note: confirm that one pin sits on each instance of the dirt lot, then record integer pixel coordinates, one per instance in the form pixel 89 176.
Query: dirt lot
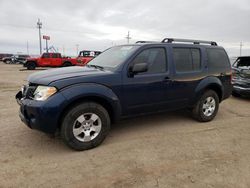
pixel 166 150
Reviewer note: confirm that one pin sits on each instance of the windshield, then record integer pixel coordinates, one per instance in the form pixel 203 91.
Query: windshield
pixel 113 57
pixel 243 63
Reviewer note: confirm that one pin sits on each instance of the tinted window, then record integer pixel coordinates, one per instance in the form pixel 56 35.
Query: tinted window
pixel 187 59
pixel 45 55
pixel 217 58
pixel 155 58
pixel 196 56
pixel 182 60
pixel 55 56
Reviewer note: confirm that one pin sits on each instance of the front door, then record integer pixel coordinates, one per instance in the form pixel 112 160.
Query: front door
pixel 149 91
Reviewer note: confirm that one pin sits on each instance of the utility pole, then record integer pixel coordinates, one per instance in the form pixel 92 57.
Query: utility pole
pixel 27 45
pixel 63 51
pixel 241 47
pixel 77 49
pixel 128 37
pixel 47 49
pixel 39 26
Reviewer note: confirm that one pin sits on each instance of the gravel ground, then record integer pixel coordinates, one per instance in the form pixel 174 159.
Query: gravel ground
pixel 164 150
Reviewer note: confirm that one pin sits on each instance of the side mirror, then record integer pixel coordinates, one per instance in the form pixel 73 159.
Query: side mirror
pixel 140 67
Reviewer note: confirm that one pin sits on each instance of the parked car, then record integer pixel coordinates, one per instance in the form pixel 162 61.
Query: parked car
pixel 125 81
pixel 49 60
pixel 241 76
pixel 2 56
pixel 86 56
pixel 15 59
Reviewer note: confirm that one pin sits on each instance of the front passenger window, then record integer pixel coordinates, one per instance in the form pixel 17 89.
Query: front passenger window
pixel 155 58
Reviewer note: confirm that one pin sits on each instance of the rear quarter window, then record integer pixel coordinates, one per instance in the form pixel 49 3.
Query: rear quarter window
pixel 217 58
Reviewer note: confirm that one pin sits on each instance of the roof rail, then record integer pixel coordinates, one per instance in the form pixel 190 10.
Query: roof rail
pixel 171 40
pixel 142 41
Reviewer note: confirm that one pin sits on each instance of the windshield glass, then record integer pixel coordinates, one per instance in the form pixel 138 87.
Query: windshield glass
pixel 113 57
pixel 243 63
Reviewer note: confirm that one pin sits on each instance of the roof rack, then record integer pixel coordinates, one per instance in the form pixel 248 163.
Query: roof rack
pixel 142 41
pixel 171 40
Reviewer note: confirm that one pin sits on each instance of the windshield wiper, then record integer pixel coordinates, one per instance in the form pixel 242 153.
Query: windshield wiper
pixel 96 66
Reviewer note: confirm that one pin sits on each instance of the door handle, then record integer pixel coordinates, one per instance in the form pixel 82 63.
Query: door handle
pixel 167 79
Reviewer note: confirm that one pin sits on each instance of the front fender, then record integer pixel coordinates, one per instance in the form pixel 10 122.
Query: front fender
pixel 92 90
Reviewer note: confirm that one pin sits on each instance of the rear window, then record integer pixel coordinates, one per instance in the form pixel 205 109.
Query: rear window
pixel 217 58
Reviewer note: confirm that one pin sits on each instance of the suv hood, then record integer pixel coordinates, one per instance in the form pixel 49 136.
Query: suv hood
pixel 48 76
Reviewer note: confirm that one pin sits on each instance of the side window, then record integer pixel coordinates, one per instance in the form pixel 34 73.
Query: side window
pixel 45 55
pixel 155 58
pixel 217 58
pixel 54 55
pixel 187 59
pixel 196 56
pixel 182 59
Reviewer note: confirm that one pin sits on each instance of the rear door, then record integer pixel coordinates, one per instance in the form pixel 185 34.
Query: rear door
pixel 189 70
pixel 56 59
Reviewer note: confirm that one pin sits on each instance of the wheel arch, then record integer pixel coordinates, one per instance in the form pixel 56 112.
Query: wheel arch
pixel 211 83
pixel 94 93
pixel 67 62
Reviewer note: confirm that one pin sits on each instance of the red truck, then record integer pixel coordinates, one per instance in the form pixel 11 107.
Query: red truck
pixel 85 56
pixel 50 60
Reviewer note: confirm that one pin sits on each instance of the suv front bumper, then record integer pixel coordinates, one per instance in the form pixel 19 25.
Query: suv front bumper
pixel 241 86
pixel 41 115
pixel 241 90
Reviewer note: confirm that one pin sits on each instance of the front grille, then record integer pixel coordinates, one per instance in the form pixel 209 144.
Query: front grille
pixel 28 91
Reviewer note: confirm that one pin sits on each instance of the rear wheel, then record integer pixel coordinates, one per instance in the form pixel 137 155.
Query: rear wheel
pixel 207 107
pixel 85 126
pixel 31 65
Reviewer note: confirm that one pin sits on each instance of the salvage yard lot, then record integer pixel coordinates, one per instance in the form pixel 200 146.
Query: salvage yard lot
pixel 164 150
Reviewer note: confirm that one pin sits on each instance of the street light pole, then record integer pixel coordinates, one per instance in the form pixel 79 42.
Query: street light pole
pixel 241 47
pixel 39 26
pixel 77 49
pixel 27 45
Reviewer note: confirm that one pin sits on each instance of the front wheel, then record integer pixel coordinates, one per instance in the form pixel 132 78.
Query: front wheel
pixel 85 126
pixel 31 65
pixel 207 107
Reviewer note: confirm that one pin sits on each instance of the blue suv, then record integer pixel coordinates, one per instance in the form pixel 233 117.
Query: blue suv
pixel 125 81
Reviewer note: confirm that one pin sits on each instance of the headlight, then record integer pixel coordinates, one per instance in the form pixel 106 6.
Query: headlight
pixel 43 92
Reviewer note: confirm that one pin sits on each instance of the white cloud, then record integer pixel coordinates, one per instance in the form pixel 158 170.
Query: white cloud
pixel 98 24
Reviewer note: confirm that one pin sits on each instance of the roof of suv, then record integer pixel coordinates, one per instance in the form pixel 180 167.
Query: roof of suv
pixel 180 41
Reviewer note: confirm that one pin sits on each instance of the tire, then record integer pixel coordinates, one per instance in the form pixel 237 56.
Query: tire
pixel 207 107
pixel 67 64
pixel 31 65
pixel 85 126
